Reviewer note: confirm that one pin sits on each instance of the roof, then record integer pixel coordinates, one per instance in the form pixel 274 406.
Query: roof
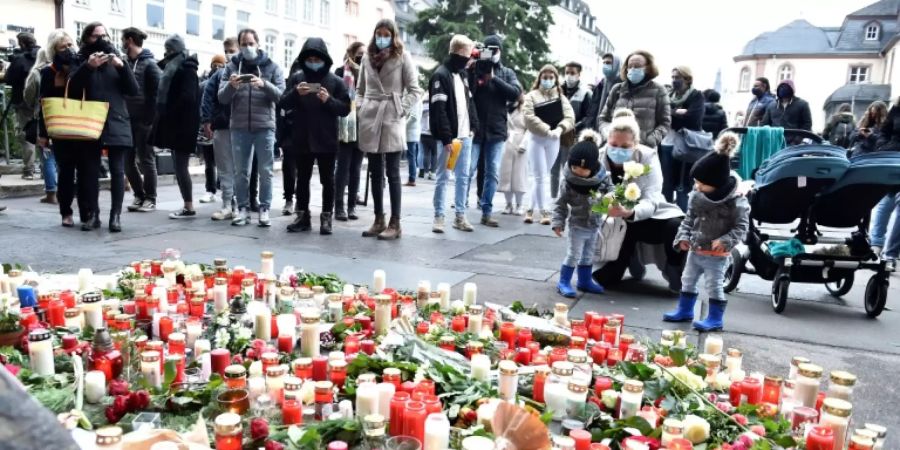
pixel 859 93
pixel 881 8
pixel 797 37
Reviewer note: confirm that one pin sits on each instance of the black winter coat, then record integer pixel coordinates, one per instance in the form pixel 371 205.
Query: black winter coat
pixel 794 116
pixel 693 119
pixel 714 119
pixel 177 126
pixel 111 85
pixel 890 131
pixel 443 118
pixel 17 72
pixel 143 105
pixel 491 102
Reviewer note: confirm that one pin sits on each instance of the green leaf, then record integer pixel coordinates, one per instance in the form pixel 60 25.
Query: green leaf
pixel 295 433
pixel 547 417
pixel 170 374
pixel 181 401
pixel 637 371
pixel 678 355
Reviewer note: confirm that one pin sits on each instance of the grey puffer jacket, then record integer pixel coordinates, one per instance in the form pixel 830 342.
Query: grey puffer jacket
pixel 573 207
pixel 726 220
pixel 252 109
pixel 650 103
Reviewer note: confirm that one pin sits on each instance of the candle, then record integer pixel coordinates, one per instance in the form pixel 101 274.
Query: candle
pixel 477 443
pixel 257 386
pixel 40 350
pixel 177 343
pixel 672 429
pixel 267 263
pixel 509 380
pixel 713 345
pixel 632 396
pixel 772 390
pixel 229 432
pixel 437 432
pixel 475 319
pixel 202 346
pixel 320 368
pixel 470 293
pixel 337 372
pixel 806 386
pixel 93 313
pixel 290 412
pixel 85 279
pixel 310 340
pixel 178 363
pixel 414 420
pixel 582 439
pixel 751 391
pixel 150 369
pixel 444 291
pixel 382 314
pixel 423 294
pixel 841 385
pixel 836 415
pixel 220 359
pixel 263 323
pixel 367 398
pixel 56 313
pixel 194 329
pixel 386 392
pixel 481 367
pixel 94 386
pixel 398 407
pixel 220 295
pixel 820 438
pixel 379 281
pixel 681 444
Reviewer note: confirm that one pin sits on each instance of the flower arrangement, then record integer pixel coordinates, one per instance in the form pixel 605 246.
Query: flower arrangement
pixel 625 193
pixel 9 320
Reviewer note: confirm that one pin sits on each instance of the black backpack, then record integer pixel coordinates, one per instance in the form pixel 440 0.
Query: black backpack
pixel 840 134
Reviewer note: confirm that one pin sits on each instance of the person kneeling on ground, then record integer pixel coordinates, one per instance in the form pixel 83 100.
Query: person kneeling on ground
pixel 583 178
pixel 715 208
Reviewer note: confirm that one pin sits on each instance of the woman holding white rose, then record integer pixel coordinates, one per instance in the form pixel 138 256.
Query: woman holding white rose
pixel 652 220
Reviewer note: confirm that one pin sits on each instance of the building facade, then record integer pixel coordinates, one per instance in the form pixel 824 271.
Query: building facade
pixel 407 12
pixel 574 36
pixel 33 16
pixel 854 63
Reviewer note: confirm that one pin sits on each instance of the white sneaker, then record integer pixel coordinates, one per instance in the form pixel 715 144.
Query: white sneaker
pixel 508 210
pixel 520 211
pixel 264 220
pixel 438 225
pixel 223 214
pixel 209 198
pixel 242 218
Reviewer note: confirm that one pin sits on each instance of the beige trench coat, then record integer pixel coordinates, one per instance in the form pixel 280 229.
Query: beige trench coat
pixel 514 165
pixel 384 100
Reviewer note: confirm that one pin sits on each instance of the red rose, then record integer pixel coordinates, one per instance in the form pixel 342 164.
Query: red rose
pixel 118 387
pixel 138 400
pixel 272 445
pixel 258 345
pixel 111 415
pixel 12 369
pixel 238 359
pixel 259 428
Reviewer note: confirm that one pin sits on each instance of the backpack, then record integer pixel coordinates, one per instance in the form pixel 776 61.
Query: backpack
pixel 840 134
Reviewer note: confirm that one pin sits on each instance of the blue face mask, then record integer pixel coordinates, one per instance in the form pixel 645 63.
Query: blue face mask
pixel 619 155
pixel 636 75
pixel 608 70
pixel 383 42
pixel 547 84
pixel 315 66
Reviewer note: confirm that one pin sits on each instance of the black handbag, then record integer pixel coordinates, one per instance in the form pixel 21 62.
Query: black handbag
pixel 550 112
pixel 690 146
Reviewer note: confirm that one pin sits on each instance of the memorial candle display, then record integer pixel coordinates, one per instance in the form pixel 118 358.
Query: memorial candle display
pixel 40 350
pixel 150 369
pixel 382 314
pixel 229 432
pixel 309 335
pixel 437 432
pixel 93 313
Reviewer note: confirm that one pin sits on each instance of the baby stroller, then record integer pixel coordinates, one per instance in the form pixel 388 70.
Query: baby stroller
pixel 818 185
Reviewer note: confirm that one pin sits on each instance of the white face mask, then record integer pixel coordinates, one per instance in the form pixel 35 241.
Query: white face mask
pixel 572 80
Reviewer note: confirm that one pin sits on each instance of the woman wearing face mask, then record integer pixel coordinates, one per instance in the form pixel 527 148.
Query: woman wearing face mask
pixel 653 221
pixel 350 157
pixel 514 165
pixel 548 114
pixel 387 89
pixel 687 105
pixel 640 93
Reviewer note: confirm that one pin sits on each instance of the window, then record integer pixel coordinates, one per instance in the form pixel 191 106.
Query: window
pixel 785 72
pixel 115 35
pixel 325 13
pixel 272 6
pixel 269 45
pixel 872 32
pixel 308 10
pixel 115 6
pixel 192 26
pixel 352 7
pixel 218 22
pixel 243 21
pixel 156 14
pixel 290 9
pixel 744 84
pixel 86 3
pixel 288 52
pixel 859 74
pixel 79 28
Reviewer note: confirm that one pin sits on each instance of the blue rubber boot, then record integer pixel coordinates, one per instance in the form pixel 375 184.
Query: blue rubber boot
pixel 586 282
pixel 713 321
pixel 564 287
pixel 685 310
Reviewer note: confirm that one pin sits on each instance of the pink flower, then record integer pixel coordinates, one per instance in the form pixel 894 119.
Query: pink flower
pixel 723 406
pixel 12 369
pixel 745 441
pixel 118 387
pixel 272 445
pixel 740 418
pixel 758 429
pixel 259 428
pixel 738 446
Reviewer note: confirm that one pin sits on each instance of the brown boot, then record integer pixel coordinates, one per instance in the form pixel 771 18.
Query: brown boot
pixel 376 228
pixel 49 198
pixel 393 231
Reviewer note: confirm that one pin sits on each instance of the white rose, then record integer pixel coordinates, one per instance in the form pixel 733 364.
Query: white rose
pixel 696 429
pixel 685 376
pixel 633 169
pixel 609 398
pixel 723 381
pixel 632 192
pixel 255 369
pixel 245 333
pixel 458 307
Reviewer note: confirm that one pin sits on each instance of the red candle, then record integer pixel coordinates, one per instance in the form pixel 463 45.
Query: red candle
pixel 365 322
pixel 539 360
pixel 414 420
pixel 802 415
pixel 523 356
pixel 772 390
pixel 166 325
pixel 427 386
pixel 368 346
pixel 579 329
pixel 820 398
pixel 290 412
pixel 27 317
pixel 176 343
pixel 734 393
pixel 303 368
pixel 437 318
pixel 602 384
pixel 320 368
pixel 820 438
pixel 433 405
pixel 621 319
pixel 104 365
pixel 408 386
pixel 525 337
pixel 558 354
pixel 228 442
pixel 751 390
pixel 285 343
pixel 69 342
pixel 398 407
pixel 68 297
pixel 351 346
pixel 220 359
pixel 582 439
pixel 599 352
pixel 198 307
pixel 540 379
pixel 56 313
pixel 508 334
pixel 458 324
pixel 179 367
pixel 589 317
pixel 680 444
pixel 613 357
pixel 422 328
pixel 610 334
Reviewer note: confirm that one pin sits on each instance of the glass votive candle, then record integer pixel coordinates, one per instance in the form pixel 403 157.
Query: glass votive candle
pixel 303 368
pixel 236 377
pixel 801 417
pixel 337 372
pixel 229 432
pixel 291 413
pixel 234 400
pixel 109 438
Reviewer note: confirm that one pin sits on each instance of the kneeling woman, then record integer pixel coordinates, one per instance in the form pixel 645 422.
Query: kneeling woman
pixel 653 220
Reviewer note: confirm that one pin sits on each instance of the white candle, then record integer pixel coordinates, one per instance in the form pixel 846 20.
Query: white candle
pixel 159 293
pixel 205 366
pixel 475 320
pixel 444 290
pixel 263 323
pixel 257 386
pixel 156 318
pixel 423 293
pixel 470 294
pixel 481 367
pixel 94 386
pixel 382 314
pixel 201 346
pixel 194 330
pixel 150 368
pixel 336 309
pixel 40 350
pixel 287 325
pixel 380 281
pixel 93 312
pixel 309 335
pixel 367 399
pixel 437 432
pixel 385 394
pixel 85 280
pixel 509 380
pixel 220 295
pixel 267 263
pixel 336 356
pixel 477 443
pixel 713 345
pixel 269 291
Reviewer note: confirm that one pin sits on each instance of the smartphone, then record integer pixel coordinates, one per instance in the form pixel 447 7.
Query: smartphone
pixel 314 87
pixel 245 78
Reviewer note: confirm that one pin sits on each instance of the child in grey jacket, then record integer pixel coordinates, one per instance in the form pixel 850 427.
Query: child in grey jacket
pixel 583 177
pixel 717 220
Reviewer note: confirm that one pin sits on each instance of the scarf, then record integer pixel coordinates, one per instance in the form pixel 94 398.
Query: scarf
pixel 351 71
pixel 347 127
pixel 676 101
pixel 380 58
pixel 582 185
pixel 170 65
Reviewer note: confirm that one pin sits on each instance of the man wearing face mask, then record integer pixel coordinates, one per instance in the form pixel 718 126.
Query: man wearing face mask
pixel 580 98
pixel 493 92
pixel 140 161
pixel 762 98
pixel 215 118
pixel 611 67
pixel 317 98
pixel 789 111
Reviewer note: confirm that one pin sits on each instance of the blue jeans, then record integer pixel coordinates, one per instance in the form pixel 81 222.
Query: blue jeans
pixel 582 242
pixel 48 168
pixel 712 268
pixel 881 218
pixel 244 144
pixel 461 171
pixel 412 159
pixel 492 156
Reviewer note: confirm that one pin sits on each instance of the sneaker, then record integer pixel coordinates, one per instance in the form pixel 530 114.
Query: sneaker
pixel 242 218
pixel 288 208
pixel 430 175
pixel 462 224
pixel 520 211
pixel 545 217
pixel 891 265
pixel 508 210
pixel 264 220
pixel 489 221
pixel 223 214
pixel 529 216
pixel 135 205
pixel 208 198
pixel 183 214
pixel 148 206
pixel 876 250
pixel 438 225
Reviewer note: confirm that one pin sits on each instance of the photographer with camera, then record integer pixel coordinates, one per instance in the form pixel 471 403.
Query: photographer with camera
pixel 494 87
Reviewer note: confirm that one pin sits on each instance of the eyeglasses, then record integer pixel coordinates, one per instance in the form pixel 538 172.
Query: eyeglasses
pixel 100 36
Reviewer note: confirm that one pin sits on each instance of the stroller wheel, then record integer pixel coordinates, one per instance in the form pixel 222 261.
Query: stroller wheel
pixel 876 295
pixel 840 287
pixel 780 288
pixel 733 270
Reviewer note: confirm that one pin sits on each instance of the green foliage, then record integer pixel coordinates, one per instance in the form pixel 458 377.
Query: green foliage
pixel 315 436
pixel 458 389
pixel 522 23
pixel 364 363
pixel 331 282
pixel 637 371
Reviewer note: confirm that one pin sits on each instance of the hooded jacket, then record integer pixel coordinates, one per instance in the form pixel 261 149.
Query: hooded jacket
pixel 707 220
pixel 574 208
pixel 18 70
pixel 794 115
pixel 142 107
pixel 841 126
pixel 315 125
pixel 212 111
pixel 650 103
pixel 492 99
pixel 252 109
pixel 179 116
pixel 889 138
pixel 601 93
pixel 714 119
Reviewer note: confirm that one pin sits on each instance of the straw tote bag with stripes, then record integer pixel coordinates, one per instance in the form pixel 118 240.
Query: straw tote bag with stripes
pixel 74 120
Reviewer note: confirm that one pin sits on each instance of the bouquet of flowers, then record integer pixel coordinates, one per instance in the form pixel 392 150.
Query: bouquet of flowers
pixel 626 193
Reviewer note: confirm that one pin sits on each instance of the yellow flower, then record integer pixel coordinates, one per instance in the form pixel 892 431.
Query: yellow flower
pixel 696 429
pixel 633 169
pixel 685 376
pixel 632 192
